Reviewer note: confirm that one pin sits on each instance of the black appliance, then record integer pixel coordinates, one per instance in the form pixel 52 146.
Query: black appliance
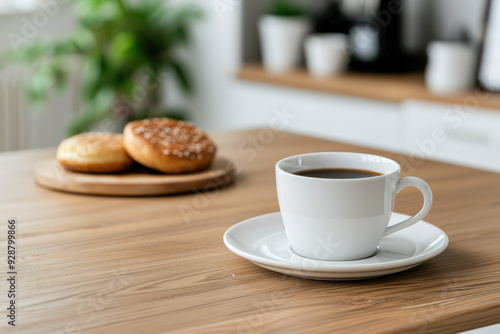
pixel 375 37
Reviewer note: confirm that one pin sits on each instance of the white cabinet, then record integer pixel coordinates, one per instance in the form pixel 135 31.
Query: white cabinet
pixel 457 134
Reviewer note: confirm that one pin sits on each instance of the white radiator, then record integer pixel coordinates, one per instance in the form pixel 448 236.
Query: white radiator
pixel 15 125
pixel 22 128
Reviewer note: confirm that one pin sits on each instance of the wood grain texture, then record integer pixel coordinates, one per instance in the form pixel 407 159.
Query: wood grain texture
pixel 158 264
pixel 50 174
pixel 385 87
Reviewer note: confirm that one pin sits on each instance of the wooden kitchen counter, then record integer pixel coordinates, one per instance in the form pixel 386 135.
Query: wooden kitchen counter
pixel 397 87
pixel 89 264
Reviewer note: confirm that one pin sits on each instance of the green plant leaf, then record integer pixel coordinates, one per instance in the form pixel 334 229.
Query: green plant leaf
pixel 287 8
pixel 94 14
pixel 60 74
pixel 181 75
pixel 124 52
pixel 94 112
pixel 91 77
pixel 64 47
pixel 35 51
pixel 84 41
pixel 178 113
pixel 176 24
pixel 39 85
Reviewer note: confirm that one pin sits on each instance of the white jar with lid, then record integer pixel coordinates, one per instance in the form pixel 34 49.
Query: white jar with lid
pixel 451 67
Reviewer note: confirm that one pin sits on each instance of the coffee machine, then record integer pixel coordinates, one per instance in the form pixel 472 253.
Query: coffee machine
pixel 375 36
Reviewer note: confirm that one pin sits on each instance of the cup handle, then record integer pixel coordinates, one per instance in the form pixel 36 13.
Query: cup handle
pixel 426 191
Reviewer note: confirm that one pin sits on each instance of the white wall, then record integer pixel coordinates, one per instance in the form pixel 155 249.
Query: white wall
pixel 47 122
pixel 450 16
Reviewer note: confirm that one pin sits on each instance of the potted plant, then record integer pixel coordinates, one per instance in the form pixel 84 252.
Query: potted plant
pixel 326 54
pixel 282 32
pixel 128 48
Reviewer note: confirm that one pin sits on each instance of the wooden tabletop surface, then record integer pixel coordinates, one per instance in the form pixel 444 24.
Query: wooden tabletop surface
pixel 90 264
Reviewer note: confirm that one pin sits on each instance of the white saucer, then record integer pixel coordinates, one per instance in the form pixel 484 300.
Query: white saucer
pixel 263 241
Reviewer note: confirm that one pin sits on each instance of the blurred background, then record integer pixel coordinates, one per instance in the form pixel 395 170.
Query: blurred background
pixel 403 76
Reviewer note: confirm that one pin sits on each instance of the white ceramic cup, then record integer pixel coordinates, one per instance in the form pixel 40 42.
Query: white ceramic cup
pixel 451 67
pixel 326 54
pixel 341 219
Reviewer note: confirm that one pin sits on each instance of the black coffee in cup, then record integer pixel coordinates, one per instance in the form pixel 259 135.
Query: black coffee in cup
pixel 338 173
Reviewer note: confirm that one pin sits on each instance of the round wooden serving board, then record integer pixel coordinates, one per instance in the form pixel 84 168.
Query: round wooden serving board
pixel 50 174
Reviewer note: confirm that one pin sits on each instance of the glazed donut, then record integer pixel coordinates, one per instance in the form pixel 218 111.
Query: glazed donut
pixel 168 145
pixel 94 152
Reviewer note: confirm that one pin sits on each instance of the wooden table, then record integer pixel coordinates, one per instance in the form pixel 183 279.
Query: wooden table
pixel 149 265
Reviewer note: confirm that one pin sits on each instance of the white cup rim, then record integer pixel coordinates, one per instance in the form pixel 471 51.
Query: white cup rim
pixel 397 166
